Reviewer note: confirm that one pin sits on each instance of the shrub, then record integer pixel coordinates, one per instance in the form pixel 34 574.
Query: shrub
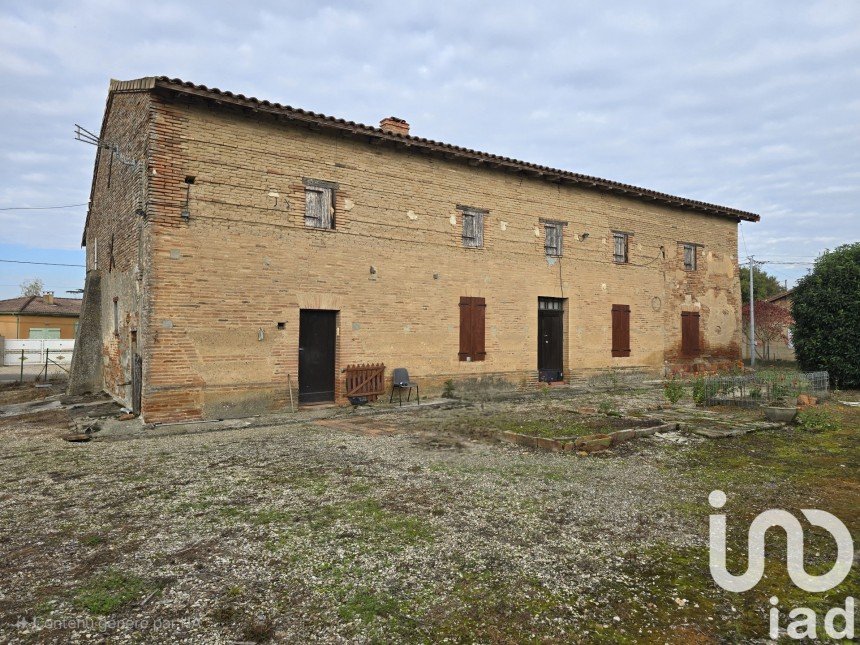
pixel 818 419
pixel 673 390
pixel 448 390
pixel 702 391
pixel 826 308
pixel 608 409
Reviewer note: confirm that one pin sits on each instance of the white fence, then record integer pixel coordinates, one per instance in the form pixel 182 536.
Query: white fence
pixel 58 351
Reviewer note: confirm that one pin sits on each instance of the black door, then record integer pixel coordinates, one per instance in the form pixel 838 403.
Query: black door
pixel 550 339
pixel 317 333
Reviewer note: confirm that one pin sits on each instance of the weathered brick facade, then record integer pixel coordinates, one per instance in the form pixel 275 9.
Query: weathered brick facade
pixel 201 291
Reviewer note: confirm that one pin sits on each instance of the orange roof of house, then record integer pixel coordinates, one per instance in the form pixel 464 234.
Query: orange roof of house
pixel 36 306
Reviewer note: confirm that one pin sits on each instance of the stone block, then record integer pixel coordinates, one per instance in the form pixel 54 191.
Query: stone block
pixel 549 444
pixel 593 445
pixel 581 441
pixel 620 436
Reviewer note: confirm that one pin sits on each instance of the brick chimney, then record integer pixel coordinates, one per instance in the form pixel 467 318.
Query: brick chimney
pixel 48 297
pixel 394 125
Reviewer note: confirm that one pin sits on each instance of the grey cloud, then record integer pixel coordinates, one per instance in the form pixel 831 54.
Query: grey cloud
pixel 755 105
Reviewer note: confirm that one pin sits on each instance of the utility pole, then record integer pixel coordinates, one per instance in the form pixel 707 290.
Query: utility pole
pixel 752 312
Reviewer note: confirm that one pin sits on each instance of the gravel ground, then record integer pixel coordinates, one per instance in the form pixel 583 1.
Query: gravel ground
pixel 407 529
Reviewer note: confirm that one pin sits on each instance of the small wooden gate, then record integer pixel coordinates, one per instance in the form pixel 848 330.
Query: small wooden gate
pixel 365 380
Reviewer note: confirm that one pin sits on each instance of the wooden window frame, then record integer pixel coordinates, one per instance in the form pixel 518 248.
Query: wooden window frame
pixel 557 250
pixel 477 217
pixel 621 235
pixel 620 331
pixel 691 346
pixel 694 250
pixel 327 189
pixel 473 323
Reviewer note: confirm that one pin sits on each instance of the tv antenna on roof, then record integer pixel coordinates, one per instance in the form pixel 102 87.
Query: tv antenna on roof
pixel 84 135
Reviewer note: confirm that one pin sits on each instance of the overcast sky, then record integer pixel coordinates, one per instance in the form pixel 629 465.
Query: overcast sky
pixel 754 105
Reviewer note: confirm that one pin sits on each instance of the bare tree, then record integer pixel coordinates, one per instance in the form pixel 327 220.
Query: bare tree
pixel 32 287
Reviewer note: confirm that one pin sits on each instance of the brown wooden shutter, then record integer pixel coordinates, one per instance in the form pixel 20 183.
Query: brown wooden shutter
pixel 465 328
pixel 620 330
pixel 472 325
pixel 690 333
pixel 479 310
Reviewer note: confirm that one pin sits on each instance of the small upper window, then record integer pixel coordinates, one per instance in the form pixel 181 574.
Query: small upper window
pixel 553 236
pixel 473 227
pixel 319 203
pixel 620 254
pixel 116 315
pixel 689 257
pixel 95 253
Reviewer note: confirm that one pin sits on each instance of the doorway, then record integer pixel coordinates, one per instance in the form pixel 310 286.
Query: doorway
pixel 317 343
pixel 550 339
pixel 136 375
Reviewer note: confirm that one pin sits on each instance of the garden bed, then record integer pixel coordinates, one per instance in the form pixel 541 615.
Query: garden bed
pixel 591 435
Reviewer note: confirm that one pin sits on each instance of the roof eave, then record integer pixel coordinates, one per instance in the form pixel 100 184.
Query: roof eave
pixel 475 157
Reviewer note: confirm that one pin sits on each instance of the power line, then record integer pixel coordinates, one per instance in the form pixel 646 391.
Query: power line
pixel 49 264
pixel 40 208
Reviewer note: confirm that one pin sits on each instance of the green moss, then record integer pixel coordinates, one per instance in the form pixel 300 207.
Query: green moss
pixel 110 591
pixel 367 605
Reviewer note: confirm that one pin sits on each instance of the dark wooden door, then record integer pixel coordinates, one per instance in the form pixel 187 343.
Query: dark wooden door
pixel 317 337
pixel 690 333
pixel 136 382
pixel 550 345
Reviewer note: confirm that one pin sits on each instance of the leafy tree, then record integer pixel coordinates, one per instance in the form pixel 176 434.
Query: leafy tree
pixel 772 323
pixel 32 287
pixel 765 286
pixel 826 312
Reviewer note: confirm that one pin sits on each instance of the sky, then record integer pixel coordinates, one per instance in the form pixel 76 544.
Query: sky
pixel 754 105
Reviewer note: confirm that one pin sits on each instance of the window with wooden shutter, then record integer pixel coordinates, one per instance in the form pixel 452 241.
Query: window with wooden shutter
pixel 689 257
pixel 690 333
pixel 553 232
pixel 473 226
pixel 620 253
pixel 620 330
pixel 472 325
pixel 319 203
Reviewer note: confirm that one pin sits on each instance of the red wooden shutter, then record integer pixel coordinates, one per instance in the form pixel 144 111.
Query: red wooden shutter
pixel 465 328
pixel 620 330
pixel 690 333
pixel 479 310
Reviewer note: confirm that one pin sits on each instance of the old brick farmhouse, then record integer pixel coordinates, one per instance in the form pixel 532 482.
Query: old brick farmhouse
pixel 235 244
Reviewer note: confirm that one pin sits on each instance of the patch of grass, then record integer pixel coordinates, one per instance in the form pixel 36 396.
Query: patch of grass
pixel 482 608
pixel 677 583
pixel 606 407
pixel 818 419
pixel 536 427
pixel 367 605
pixel 110 591
pixel 91 539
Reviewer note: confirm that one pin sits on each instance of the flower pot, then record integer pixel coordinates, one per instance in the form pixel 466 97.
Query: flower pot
pixel 780 414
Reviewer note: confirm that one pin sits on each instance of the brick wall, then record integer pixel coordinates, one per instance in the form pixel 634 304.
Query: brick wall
pixel 116 238
pixel 245 262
